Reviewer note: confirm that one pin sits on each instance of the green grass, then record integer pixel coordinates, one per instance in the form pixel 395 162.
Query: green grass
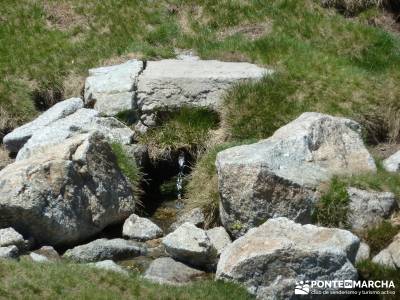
pixel 379 181
pixel 43 42
pixel 380 237
pixel 332 209
pixel 188 129
pixel 371 271
pixel 324 62
pixel 128 167
pixel 353 7
pixel 28 280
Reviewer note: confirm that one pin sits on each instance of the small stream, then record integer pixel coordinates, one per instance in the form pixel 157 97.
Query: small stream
pixel 165 187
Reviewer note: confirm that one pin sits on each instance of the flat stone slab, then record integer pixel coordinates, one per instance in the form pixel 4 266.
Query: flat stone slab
pixel 111 88
pixel 173 83
pixel 19 136
pixel 104 249
pixel 165 270
pixel 82 121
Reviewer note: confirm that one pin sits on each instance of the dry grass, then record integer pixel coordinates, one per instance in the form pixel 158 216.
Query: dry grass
pixel 73 85
pixel 61 15
pixel 250 31
pixel 352 7
pixel 115 60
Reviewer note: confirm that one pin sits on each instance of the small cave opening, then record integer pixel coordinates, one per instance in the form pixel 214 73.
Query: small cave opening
pixel 163 187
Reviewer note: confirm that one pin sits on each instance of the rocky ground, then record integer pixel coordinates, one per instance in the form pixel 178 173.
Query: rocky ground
pixel 67 186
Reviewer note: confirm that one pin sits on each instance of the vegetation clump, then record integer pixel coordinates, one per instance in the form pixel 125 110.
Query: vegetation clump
pixel 380 237
pixel 332 208
pixel 128 167
pixel 186 129
pixel 369 270
pixel 32 280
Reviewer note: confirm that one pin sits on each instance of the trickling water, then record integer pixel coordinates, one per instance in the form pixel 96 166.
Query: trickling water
pixel 179 181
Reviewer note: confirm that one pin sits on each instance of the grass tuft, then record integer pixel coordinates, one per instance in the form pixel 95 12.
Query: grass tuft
pixel 380 237
pixel 369 270
pixel 187 129
pixel 128 167
pixel 332 209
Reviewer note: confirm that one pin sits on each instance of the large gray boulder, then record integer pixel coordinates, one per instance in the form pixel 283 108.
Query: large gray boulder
pixel 112 89
pixel 9 252
pixel 83 120
pixel 165 270
pixel 219 238
pixel 392 163
pixel 104 249
pixel 368 208
pixel 270 259
pixel 141 229
pixel 191 245
pixel 279 176
pixel 66 193
pixel 9 236
pixel 390 256
pixel 19 136
pixel 172 83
